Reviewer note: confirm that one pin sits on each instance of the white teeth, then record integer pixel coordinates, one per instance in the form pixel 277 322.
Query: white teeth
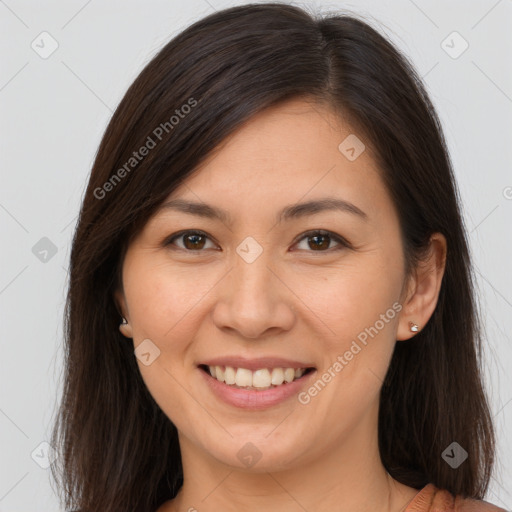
pixel 277 376
pixel 263 378
pixel 243 377
pixel 289 374
pixel 230 375
pixel 219 373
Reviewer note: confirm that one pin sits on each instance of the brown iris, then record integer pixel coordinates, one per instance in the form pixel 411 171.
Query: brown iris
pixel 324 245
pixel 196 241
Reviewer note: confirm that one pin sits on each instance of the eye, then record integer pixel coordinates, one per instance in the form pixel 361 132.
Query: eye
pixel 191 240
pixel 320 241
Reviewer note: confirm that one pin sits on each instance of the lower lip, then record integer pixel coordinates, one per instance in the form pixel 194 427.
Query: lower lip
pixel 255 400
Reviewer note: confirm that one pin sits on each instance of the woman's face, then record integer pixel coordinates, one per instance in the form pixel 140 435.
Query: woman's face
pixel 259 289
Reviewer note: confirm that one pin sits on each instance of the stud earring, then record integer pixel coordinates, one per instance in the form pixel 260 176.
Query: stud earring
pixel 414 327
pixel 124 321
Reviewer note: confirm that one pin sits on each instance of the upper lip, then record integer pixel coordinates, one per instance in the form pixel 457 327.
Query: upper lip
pixel 256 363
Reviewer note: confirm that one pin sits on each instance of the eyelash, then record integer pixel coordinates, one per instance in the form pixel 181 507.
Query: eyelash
pixel 308 234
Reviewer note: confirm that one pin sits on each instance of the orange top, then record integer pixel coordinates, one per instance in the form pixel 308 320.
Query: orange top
pixel 432 499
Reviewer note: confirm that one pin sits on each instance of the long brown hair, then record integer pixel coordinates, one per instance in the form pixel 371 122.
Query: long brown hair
pixel 118 450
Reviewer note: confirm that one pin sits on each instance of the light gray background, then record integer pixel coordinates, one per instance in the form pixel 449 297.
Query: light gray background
pixel 54 111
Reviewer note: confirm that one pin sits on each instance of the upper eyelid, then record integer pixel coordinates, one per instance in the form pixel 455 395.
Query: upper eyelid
pixel 311 232
pixel 168 240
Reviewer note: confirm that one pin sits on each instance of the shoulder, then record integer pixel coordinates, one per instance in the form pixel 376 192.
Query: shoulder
pixel 471 505
pixel 433 499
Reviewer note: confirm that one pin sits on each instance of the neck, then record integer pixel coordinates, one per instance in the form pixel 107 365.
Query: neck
pixel 348 478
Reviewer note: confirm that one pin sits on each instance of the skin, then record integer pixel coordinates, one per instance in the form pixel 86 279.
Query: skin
pixel 294 301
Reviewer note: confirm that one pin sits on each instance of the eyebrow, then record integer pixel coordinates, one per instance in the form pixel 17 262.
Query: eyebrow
pixel 294 211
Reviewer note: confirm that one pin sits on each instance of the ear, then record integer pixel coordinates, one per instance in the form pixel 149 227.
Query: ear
pixel 423 288
pixel 120 300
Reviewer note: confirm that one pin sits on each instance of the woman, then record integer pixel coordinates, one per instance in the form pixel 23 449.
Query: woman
pixel 271 303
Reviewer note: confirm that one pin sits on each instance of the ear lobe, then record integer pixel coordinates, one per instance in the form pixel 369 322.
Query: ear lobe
pixel 120 302
pixel 424 289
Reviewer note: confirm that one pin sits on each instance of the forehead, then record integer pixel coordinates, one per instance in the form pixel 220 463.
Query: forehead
pixel 291 152
pixel 290 137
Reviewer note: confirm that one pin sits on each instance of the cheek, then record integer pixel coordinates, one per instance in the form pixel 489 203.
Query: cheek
pixel 356 312
pixel 164 305
pixel 164 301
pixel 352 297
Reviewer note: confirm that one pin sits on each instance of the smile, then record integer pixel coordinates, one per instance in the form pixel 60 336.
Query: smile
pixel 261 379
pixel 254 389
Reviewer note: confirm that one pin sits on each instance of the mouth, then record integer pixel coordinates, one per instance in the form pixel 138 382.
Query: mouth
pixel 260 379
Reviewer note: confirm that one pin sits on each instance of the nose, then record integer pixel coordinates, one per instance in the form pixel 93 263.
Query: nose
pixel 254 300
